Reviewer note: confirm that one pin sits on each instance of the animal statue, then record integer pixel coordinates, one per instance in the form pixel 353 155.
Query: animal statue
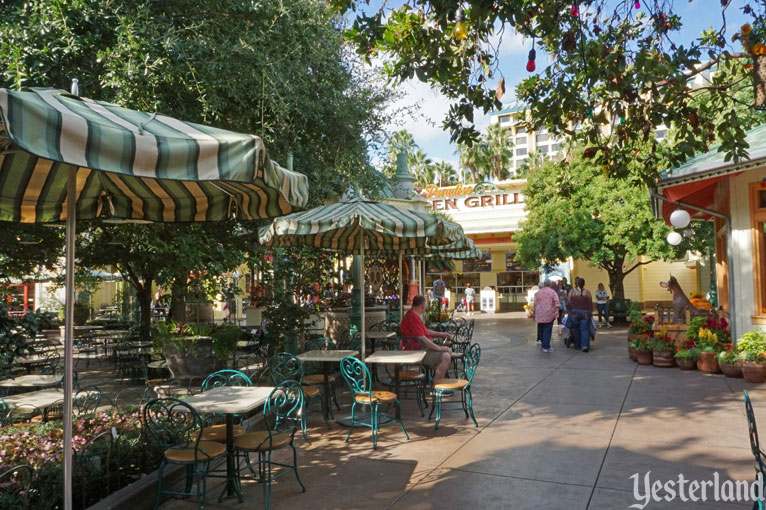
pixel 681 302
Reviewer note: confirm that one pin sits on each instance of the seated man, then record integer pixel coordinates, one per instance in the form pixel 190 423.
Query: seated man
pixel 419 337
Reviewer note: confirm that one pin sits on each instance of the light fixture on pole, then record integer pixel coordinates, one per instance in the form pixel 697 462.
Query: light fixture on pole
pixel 680 218
pixel 674 238
pixel 235 276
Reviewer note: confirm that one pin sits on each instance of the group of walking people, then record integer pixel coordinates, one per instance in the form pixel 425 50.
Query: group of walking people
pixel 555 301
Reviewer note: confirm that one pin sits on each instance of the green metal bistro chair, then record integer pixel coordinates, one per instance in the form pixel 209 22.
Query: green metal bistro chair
pixel 87 400
pixel 282 415
pixel 359 381
pixel 320 344
pixel 462 385
pixel 227 377
pixel 755 446
pixel 5 410
pixel 176 427
pixel 284 366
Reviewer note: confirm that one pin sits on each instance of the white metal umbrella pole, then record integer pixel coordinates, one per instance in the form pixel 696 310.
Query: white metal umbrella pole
pixel 421 270
pixel 401 289
pixel 361 290
pixel 69 334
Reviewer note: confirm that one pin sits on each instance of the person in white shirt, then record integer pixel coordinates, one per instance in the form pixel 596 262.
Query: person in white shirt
pixel 470 294
pixel 602 304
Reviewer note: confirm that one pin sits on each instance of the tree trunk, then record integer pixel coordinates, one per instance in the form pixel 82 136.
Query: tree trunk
pixel 144 296
pixel 616 278
pixel 178 300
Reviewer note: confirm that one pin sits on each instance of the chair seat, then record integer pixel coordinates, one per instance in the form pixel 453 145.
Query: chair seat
pixel 377 397
pixel 156 382
pixel 317 379
pixel 217 432
pixel 310 391
pixel 259 441
pixel 207 451
pixel 450 384
pixel 456 355
pixel 411 375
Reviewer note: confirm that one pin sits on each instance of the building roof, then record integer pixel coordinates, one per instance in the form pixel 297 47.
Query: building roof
pixel 514 107
pixel 712 163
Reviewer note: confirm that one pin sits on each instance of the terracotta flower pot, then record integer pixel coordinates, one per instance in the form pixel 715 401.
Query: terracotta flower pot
pixel 663 359
pixel 644 357
pixel 754 371
pixel 731 369
pixel 632 352
pixel 708 364
pixel 686 364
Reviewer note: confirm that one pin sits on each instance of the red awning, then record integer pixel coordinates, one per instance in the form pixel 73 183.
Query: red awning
pixel 700 193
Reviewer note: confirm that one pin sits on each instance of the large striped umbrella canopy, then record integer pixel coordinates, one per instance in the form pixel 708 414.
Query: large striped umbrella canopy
pixel 120 163
pixel 385 228
pixel 131 165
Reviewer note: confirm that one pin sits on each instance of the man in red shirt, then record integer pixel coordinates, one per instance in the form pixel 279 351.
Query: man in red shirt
pixel 417 337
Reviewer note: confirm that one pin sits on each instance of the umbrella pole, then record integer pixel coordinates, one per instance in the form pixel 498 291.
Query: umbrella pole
pixel 361 278
pixel 401 289
pixel 421 267
pixel 69 334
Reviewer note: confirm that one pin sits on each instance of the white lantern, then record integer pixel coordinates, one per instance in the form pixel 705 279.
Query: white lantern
pixel 680 218
pixel 674 238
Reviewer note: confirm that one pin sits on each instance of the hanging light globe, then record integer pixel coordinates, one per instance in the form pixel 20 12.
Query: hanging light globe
pixel 680 218
pixel 674 238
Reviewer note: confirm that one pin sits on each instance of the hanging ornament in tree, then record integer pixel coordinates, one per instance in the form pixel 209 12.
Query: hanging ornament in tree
pixel 637 5
pixel 460 30
pixel 575 11
pixel 531 61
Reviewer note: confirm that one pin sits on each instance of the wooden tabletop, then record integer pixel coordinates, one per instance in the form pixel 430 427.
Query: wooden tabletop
pixel 230 399
pixel 326 355
pixel 39 399
pixel 26 381
pixel 397 357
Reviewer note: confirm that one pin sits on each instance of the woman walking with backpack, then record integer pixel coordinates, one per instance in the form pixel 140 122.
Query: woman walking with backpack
pixel 581 312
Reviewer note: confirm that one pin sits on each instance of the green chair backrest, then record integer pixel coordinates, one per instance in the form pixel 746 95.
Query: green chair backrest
pixel 172 423
pixel 284 408
pixel 319 344
pixel 755 445
pixel 471 362
pixel 226 377
pixel 284 366
pixel 357 375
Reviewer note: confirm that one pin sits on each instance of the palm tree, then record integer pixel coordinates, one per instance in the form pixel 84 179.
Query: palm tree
pixel 534 161
pixel 498 144
pixel 445 174
pixel 471 161
pixel 421 166
pixel 398 142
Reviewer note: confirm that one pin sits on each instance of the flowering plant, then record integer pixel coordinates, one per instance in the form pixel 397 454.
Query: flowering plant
pixel 684 352
pixel 729 355
pixel 752 38
pixel 698 301
pixel 663 342
pixel 641 326
pixel 752 345
pixel 645 343
pixel 708 341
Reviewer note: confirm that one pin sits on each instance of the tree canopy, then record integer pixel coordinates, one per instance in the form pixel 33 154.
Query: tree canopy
pixel 574 210
pixel 615 72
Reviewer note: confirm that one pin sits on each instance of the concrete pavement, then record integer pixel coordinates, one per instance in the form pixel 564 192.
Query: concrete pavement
pixel 556 430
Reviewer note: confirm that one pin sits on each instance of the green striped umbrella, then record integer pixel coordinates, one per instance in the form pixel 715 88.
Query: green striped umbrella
pixel 131 165
pixel 360 226
pixel 384 227
pixel 125 164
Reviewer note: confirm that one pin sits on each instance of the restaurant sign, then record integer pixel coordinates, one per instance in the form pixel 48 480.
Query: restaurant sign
pixel 478 196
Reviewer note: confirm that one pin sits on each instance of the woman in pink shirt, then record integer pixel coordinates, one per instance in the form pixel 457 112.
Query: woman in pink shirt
pixel 546 311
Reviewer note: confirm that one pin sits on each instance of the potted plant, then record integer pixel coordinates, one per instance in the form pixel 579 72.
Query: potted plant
pixel 709 346
pixel 644 348
pixel 662 351
pixel 729 362
pixel 752 353
pixel 633 349
pixel 639 324
pixel 195 351
pixel 685 358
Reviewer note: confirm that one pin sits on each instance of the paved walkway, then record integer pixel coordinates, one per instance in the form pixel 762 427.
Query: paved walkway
pixel 560 430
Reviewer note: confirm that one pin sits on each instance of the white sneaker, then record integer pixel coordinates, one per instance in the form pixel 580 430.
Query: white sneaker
pixel 549 349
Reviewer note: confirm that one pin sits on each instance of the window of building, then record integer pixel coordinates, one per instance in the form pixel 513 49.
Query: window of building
pixel 505 119
pixel 521 140
pixel 543 148
pixel 521 152
pixel 520 130
pixel 661 134
pixel 555 147
pixel 758 232
pixel 517 282
pixel 541 138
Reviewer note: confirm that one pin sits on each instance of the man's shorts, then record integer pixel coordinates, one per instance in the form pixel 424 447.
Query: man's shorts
pixel 433 358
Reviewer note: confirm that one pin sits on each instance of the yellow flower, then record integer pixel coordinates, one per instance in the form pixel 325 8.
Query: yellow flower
pixel 746 29
pixel 759 48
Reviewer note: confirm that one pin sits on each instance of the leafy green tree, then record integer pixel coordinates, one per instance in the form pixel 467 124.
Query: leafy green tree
pixel 614 70
pixel 574 210
pixel 534 161
pixel 27 249
pixel 471 162
pixel 401 141
pixel 498 147
pixel 421 166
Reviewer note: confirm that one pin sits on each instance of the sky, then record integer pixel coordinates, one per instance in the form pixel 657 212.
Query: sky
pixel 425 123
